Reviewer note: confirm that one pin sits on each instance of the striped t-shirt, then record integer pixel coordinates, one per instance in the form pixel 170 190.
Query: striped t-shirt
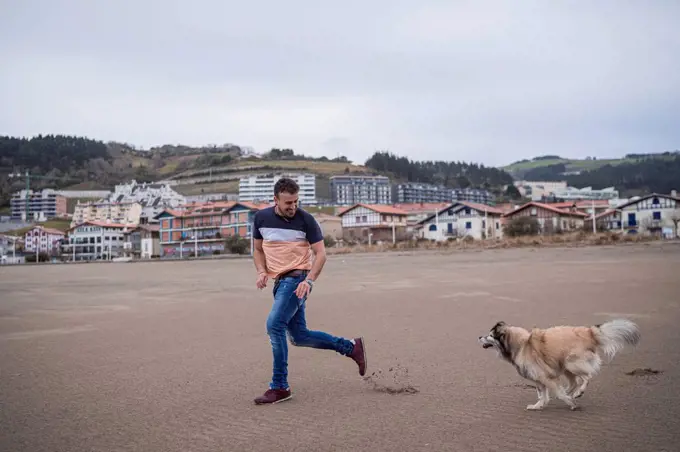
pixel 286 241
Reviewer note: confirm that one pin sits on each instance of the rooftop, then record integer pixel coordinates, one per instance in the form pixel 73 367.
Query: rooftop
pixel 380 208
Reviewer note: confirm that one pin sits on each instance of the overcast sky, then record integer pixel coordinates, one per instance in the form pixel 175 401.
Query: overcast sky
pixel 484 81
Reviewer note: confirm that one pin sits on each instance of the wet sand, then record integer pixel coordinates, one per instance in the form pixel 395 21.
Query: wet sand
pixel 169 356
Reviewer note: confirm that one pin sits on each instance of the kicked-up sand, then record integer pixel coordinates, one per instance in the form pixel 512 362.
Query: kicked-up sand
pixel 169 356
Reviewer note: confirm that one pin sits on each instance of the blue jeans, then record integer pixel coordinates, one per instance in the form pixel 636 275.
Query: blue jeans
pixel 288 316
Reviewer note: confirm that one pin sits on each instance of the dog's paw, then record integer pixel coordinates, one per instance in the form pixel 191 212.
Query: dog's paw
pixel 535 407
pixel 575 408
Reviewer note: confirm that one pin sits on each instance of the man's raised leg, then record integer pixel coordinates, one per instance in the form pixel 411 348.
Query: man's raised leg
pixel 301 336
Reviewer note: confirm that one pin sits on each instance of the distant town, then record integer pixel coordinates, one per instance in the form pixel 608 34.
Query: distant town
pixel 153 221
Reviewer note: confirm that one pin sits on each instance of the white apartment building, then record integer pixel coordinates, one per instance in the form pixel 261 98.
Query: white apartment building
pixel 259 188
pixel 586 193
pixel 93 240
pixel 154 198
pixel 211 197
pixel 536 190
pixel 37 205
pixel 107 212
pixel 94 194
pixel 348 190
pixel 43 240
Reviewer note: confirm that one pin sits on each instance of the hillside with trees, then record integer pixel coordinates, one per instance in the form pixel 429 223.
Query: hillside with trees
pixel 60 161
pixel 448 174
pixel 633 177
pixel 69 162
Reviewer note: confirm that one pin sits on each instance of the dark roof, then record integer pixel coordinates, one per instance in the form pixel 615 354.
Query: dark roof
pixel 462 204
pixel 547 207
pixel 642 198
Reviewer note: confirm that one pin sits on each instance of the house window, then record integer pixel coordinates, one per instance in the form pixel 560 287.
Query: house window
pixel 655 201
pixel 656 215
pixel 498 225
pixel 433 227
pixel 357 219
pixel 468 225
pixel 483 224
pixel 364 219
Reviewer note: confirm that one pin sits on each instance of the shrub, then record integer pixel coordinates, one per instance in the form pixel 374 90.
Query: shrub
pixel 237 245
pixel 522 226
pixel 329 241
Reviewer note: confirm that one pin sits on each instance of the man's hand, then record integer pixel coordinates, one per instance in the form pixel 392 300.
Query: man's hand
pixel 261 280
pixel 303 290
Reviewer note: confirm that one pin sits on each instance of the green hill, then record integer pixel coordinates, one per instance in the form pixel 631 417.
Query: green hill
pixel 68 162
pixel 635 174
pixel 519 170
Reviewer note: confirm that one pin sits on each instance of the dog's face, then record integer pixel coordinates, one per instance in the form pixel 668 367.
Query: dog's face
pixel 495 338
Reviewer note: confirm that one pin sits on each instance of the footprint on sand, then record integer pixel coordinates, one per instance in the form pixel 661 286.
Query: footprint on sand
pixel 639 372
pixel 393 381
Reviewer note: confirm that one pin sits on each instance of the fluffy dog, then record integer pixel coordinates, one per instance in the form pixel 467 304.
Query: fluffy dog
pixel 549 356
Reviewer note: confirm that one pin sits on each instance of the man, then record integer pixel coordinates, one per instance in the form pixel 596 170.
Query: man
pixel 285 238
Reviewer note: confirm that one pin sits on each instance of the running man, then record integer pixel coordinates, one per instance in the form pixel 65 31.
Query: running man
pixel 285 238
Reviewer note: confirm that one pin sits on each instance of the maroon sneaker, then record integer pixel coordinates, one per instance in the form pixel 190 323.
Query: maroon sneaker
pixel 274 396
pixel 359 355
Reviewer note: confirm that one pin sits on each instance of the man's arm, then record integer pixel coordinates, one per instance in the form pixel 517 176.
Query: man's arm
pixel 319 251
pixel 305 287
pixel 258 257
pixel 315 237
pixel 260 264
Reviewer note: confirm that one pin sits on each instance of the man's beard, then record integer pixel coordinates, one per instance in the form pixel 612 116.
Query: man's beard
pixel 284 213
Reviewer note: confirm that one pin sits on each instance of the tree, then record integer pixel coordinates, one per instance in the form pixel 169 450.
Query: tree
pixel 512 192
pixel 448 174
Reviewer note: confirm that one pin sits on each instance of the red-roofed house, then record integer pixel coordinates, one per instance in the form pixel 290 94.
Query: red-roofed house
pixel 43 240
pixel 202 229
pixel 143 241
pixel 419 211
pixel 655 213
pixel 601 205
pixel 372 222
pixel 463 218
pixel 93 240
pixel 550 218
pixel 608 220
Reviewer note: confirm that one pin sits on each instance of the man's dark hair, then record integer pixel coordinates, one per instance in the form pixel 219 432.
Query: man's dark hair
pixel 286 184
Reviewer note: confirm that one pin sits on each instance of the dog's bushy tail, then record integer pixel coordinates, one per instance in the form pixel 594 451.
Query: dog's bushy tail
pixel 615 334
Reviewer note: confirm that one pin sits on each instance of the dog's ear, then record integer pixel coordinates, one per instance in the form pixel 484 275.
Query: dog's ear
pixel 501 323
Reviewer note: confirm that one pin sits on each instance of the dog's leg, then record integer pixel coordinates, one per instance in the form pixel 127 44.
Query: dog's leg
pixel 584 367
pixel 582 387
pixel 574 383
pixel 543 397
pixel 560 393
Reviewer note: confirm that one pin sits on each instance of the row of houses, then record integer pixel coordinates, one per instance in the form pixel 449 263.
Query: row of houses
pixel 203 229
pixel 651 214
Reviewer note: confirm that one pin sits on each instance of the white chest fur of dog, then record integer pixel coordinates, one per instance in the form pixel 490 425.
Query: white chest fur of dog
pixel 550 356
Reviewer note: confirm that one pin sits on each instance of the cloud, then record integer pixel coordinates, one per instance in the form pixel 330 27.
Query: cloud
pixel 490 82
